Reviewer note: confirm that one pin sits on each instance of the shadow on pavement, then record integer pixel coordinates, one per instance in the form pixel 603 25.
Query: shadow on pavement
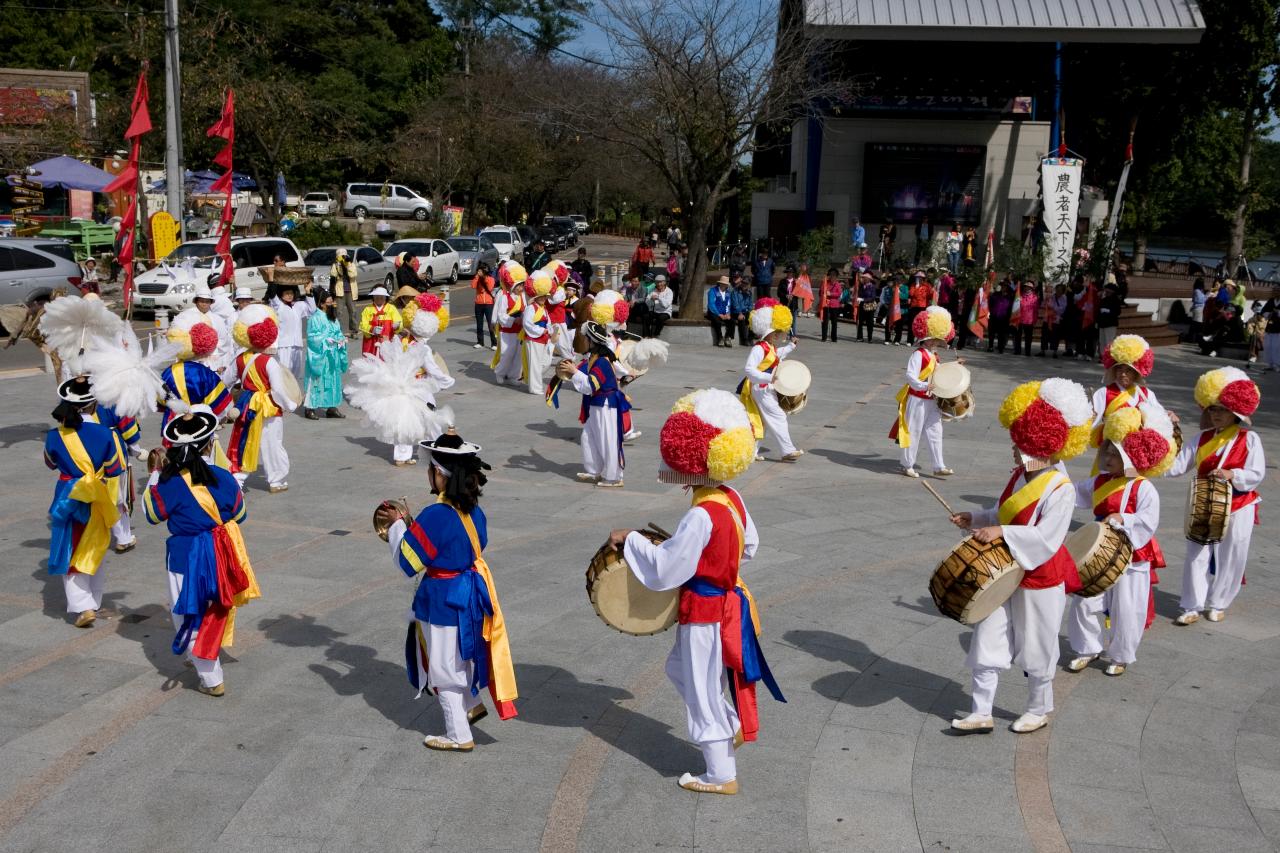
pixel 903 681
pixel 18 433
pixel 371 445
pixel 867 462
pixel 539 464
pixel 551 429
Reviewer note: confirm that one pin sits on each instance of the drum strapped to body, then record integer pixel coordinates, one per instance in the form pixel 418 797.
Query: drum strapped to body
pixel 1208 510
pixel 621 601
pixel 1101 554
pixel 974 580
pixel 950 386
pixel 791 381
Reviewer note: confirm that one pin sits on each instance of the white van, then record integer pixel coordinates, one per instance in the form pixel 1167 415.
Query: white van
pixel 171 285
pixel 385 200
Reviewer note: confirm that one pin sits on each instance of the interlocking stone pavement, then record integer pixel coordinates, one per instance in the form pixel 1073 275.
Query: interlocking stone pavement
pixel 316 747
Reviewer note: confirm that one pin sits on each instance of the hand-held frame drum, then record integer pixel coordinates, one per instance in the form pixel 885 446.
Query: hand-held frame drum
pixel 791 381
pixel 621 601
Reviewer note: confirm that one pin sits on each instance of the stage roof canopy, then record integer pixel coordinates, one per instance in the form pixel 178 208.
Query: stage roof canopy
pixel 1117 21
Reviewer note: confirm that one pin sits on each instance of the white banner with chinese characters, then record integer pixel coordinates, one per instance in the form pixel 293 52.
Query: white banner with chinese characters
pixel 1060 184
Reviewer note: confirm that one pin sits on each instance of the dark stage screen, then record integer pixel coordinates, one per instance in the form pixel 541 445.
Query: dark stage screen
pixel 906 181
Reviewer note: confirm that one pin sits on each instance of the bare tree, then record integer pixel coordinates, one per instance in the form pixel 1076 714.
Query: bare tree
pixel 691 82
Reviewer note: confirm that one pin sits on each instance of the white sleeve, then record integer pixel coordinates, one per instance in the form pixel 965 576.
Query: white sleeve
pixel 443 380
pixel 1140 525
pixel 750 539
pixel 984 517
pixel 784 350
pixel 1099 405
pixel 557 296
pixel 1033 544
pixel 1084 494
pixel 669 565
pixel 1186 457
pixel 275 375
pixel 753 361
pixel 1249 477
pixel 582 383
pixel 913 372
pixel 394 534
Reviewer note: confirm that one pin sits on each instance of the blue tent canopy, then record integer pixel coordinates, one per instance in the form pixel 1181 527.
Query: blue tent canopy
pixel 200 182
pixel 71 174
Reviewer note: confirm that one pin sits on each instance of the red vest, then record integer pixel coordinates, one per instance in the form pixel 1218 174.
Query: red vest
pixel 253 380
pixel 1237 455
pixel 1149 553
pixel 555 310
pixel 719 562
pixel 1058 569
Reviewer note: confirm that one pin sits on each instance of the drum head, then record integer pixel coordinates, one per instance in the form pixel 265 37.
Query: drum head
pixel 628 605
pixel 439 360
pixel 289 388
pixel 950 380
pixel 999 590
pixel 1085 541
pixel 791 378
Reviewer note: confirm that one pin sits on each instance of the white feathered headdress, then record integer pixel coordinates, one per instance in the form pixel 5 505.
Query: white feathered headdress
pixel 394 398
pixel 71 323
pixel 127 379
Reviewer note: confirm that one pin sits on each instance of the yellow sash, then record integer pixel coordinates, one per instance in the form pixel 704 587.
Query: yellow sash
pixel 1043 483
pixel 1107 489
pixel 114 484
pixel 91 489
pixel 210 506
pixel 1217 444
pixel 769 360
pixel 711 494
pixel 502 672
pixel 904 434
pixel 261 403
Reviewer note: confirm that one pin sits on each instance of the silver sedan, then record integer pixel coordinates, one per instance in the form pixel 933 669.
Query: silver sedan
pixel 472 251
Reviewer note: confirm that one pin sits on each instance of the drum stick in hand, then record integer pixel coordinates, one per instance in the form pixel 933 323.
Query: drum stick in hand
pixel 941 500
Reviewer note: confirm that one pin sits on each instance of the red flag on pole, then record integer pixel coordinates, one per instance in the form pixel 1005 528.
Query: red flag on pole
pixel 225 128
pixel 127 182
pixel 895 307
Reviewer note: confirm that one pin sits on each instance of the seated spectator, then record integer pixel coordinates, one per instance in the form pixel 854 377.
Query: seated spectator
pixel 658 305
pixel 743 300
pixel 720 313
pixel 1227 328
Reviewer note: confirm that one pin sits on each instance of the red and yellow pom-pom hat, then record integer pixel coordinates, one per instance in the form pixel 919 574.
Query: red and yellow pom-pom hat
pixel 194 332
pixel 933 322
pixel 610 309
pixel 512 274
pixel 256 327
pixel 706 440
pixel 1230 388
pixel 768 316
pixel 1049 419
pixel 425 316
pixel 1130 351
pixel 1144 437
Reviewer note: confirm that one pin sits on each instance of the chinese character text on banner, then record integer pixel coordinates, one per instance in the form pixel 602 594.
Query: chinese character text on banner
pixel 1060 183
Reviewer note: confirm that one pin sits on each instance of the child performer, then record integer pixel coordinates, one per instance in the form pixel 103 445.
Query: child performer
pixel 209 571
pixel 457 641
pixel 1128 361
pixel 918 413
pixel 604 410
pixel 1048 423
pixel 1137 444
pixel 508 315
pixel 424 317
pixel 770 322
pixel 267 392
pixel 1230 452
pixel 536 331
pixel 706 442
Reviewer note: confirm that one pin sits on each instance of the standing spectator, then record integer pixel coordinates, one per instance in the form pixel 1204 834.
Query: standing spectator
pixel 641 259
pixel 969 248
pixel 538 257
pixel 89 277
pixel 741 304
pixel 924 240
pixel 1087 338
pixel 720 313
pixel 1070 331
pixel 966 298
pixel 407 272
pixel 868 302
pixel 671 239
pixel 762 273
pixel 953 248
pixel 857 234
pixel 1028 306
pixel 327 359
pixel 346 289
pixel 785 283
pixel 885 309
pixel 653 239
pixel 738 259
pixel 888 236
pixel 1055 309
pixel 659 308
pixel 682 267
pixel 1198 300
pixel 1255 334
pixel 483 285
pixel 1108 316
pixel 1001 309
pixel 802 293
pixel 674 268
pixel 582 267
pixel 919 297
pixel 1271 334
pixel 861 260
pixel 829 302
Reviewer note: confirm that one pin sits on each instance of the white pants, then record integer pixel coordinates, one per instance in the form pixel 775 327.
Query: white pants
pixel 450 676
pixel 775 420
pixel 1199 592
pixel 508 369
pixel 563 341
pixel 84 592
pixel 272 455
pixel 1271 350
pixel 122 530
pixel 539 362
pixel 402 452
pixel 1126 602
pixel 1024 630
pixel 600 442
pixel 210 671
pixel 696 668
pixel 924 425
pixel 293 359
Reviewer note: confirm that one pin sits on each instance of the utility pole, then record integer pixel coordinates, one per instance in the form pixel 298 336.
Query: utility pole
pixel 173 171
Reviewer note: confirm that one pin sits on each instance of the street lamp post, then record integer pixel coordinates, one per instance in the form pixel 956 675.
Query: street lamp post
pixel 506 210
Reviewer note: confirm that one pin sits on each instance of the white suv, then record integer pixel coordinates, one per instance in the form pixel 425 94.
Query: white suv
pixel 506 240
pixel 170 286
pixel 318 204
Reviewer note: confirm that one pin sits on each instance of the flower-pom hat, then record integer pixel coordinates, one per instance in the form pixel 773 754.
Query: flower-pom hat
pixel 194 333
pixel 512 274
pixel 256 327
pixel 1131 351
pixel 1144 438
pixel 425 316
pixel 1230 388
pixel 610 309
pixel 933 322
pixel 706 440
pixel 1050 419
pixel 768 316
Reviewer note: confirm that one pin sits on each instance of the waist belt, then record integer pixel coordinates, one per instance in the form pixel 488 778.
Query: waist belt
pixel 923 395
pixel 441 574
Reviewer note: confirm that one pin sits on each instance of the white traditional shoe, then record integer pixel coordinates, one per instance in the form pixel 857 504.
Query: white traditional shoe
pixel 692 783
pixel 974 724
pixel 1115 669
pixel 1028 723
pixel 910 472
pixel 86 618
pixel 759 457
pixel 1215 615
pixel 478 346
pixel 584 477
pixel 1188 617
pixel 607 484
pixel 793 456
pixel 631 435
pixel 443 744
pixel 1081 663
pixel 942 472
pixel 278 488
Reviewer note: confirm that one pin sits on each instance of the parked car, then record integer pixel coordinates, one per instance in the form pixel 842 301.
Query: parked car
pixel 566 226
pixel 527 235
pixel 435 257
pixel 584 226
pixel 385 200
pixel 506 240
pixel 472 251
pixel 372 269
pixel 169 287
pixel 32 268
pixel 318 204
pixel 554 238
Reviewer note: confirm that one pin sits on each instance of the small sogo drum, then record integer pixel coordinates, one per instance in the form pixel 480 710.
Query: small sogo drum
pixel 791 381
pixel 289 388
pixel 974 580
pixel 621 601
pixel 1208 510
pixel 1101 554
pixel 382 521
pixel 951 392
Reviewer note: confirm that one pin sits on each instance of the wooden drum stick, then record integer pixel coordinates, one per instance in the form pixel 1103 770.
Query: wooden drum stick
pixel 941 500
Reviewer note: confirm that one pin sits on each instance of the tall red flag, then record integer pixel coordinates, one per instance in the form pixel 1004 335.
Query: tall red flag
pixel 225 128
pixel 127 182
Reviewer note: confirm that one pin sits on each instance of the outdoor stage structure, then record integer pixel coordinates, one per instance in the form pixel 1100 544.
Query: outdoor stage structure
pixel 952 107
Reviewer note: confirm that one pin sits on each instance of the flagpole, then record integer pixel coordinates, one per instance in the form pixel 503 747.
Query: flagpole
pixel 173 170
